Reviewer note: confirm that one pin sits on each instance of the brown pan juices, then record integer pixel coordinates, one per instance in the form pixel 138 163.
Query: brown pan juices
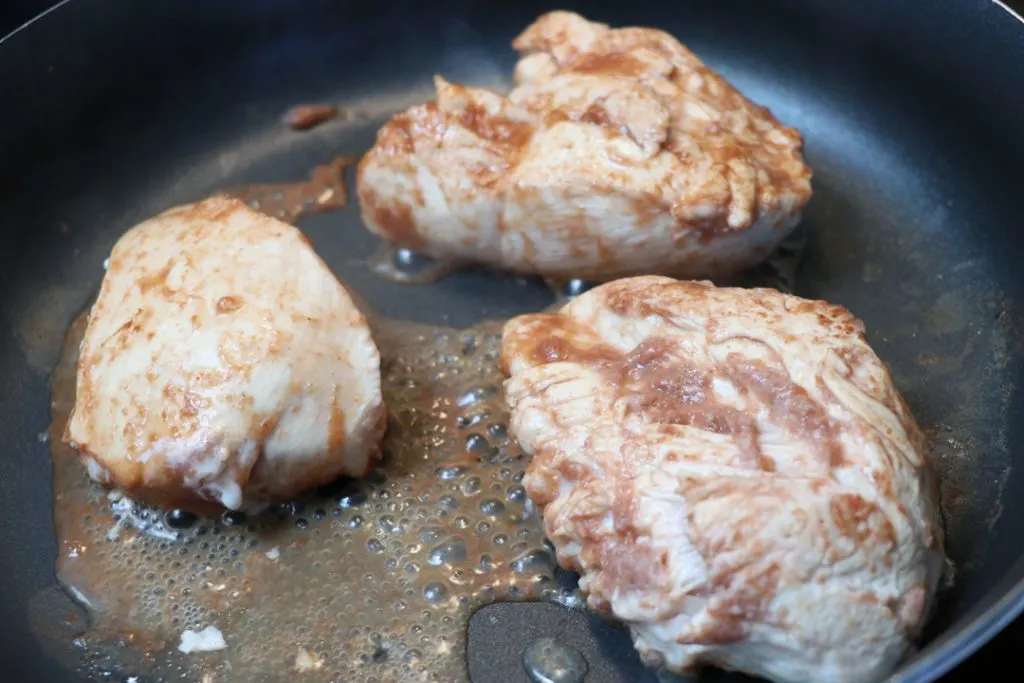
pixel 324 190
pixel 371 580
pixel 364 580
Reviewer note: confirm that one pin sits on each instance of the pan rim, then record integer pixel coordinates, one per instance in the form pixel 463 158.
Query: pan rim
pixel 29 22
pixel 968 640
pixel 953 646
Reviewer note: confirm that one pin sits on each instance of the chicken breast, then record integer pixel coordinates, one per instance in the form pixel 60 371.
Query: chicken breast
pixel 223 364
pixel 617 153
pixel 732 473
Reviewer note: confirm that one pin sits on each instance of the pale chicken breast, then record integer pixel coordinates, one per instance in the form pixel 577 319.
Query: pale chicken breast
pixel 224 364
pixel 732 473
pixel 617 153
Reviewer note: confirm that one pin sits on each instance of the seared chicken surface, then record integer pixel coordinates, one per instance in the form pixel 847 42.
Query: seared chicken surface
pixel 617 153
pixel 223 364
pixel 732 473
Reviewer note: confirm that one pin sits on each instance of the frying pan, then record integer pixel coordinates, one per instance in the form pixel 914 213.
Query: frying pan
pixel 911 111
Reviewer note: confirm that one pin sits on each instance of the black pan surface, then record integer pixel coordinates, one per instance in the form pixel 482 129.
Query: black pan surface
pixel 911 112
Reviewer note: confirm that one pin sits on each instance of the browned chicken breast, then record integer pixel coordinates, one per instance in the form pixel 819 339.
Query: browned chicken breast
pixel 732 473
pixel 617 153
pixel 223 364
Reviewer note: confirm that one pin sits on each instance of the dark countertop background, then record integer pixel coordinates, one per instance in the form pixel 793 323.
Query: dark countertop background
pixel 1001 651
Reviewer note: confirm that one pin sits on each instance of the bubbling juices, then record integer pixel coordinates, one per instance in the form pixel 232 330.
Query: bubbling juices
pixel 370 580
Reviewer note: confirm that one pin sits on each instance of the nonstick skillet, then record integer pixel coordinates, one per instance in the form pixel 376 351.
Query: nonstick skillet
pixel 116 110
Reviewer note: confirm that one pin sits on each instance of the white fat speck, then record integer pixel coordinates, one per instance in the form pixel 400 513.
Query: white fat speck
pixel 124 505
pixel 274 553
pixel 226 491
pixel 306 661
pixel 210 639
pixel 96 470
pixel 106 264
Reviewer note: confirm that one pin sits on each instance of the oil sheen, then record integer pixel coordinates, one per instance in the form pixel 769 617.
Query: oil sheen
pixel 370 580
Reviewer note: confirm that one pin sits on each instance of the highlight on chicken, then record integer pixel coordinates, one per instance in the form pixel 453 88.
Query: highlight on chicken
pixel 617 153
pixel 223 365
pixel 733 474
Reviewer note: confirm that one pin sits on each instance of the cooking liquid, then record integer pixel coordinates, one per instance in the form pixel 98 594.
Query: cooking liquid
pixel 364 580
pixel 371 580
pixel 325 190
pixel 546 660
pixel 404 266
